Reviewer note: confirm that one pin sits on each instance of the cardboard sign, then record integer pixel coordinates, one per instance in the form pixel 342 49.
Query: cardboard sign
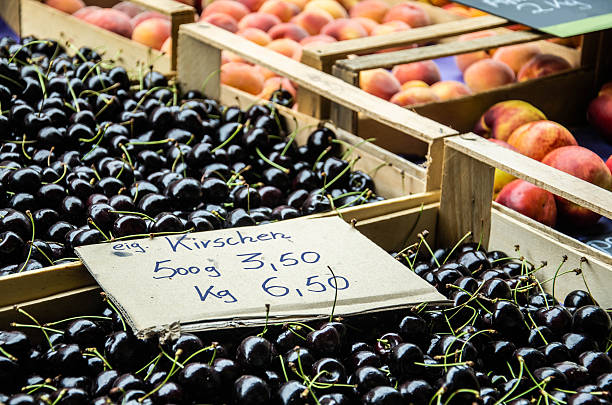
pixel 225 278
pixel 603 243
pixel 563 18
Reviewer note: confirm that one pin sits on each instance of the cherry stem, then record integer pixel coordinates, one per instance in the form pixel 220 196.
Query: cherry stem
pixel 265 329
pixel 92 351
pixel 339 175
pixel 27 45
pixel 271 163
pixel 228 140
pixel 74 318
pixel 59 397
pixel 367 192
pixel 7 354
pixel 155 360
pixel 351 148
pixel 29 215
pixel 114 308
pixel 92 223
pixel 459 391
pixel 331 316
pixel 23 148
pixel 35 387
pixel 515 386
pixel 321 155
pixel 282 363
pixel 161 384
pixel 429 248
pixel 467 235
pixel 290 140
pixel 168 140
pixel 134 213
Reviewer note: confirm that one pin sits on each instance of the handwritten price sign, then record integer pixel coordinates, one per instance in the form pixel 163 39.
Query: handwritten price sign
pixel 228 276
pixel 558 17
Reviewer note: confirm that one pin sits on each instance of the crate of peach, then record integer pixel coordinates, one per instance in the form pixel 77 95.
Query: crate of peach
pixel 137 34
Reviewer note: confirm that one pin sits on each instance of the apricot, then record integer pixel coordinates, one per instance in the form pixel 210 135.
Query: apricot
pixel 280 8
pixel 516 56
pixel 488 74
pixel 111 20
pixel 586 165
pixel 537 138
pixel 389 27
pixel 152 32
pixel 411 14
pixel 288 30
pixel 67 6
pixel 287 47
pixel 372 9
pixel 220 20
pixel 414 83
pixel 343 29
pixel 368 24
pixel 529 200
pixel 332 7
pixel 146 15
pixel 317 40
pixel 129 8
pixel 262 21
pixel 413 96
pixel 542 65
pixel 242 76
pixel 450 89
pixel 232 8
pixel 426 71
pixel 379 82
pixel 312 20
pixel 502 118
pixel 255 35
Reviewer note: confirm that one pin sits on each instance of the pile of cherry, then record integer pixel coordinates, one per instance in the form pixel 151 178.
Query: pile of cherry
pixel 504 341
pixel 87 157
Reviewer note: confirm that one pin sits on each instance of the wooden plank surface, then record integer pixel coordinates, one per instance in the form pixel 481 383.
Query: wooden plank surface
pixel 45 22
pixel 341 49
pixel 10 13
pixel 465 202
pixel 306 77
pixel 389 59
pixel 557 182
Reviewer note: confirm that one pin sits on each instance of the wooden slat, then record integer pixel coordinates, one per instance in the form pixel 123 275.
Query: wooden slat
pixel 10 13
pixel 390 59
pixel 306 77
pixel 557 182
pixel 328 53
pixel 465 203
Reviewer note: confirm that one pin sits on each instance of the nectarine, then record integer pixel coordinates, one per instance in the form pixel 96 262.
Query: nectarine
pixel 450 89
pixel 501 119
pixel 426 71
pixel 542 65
pixel 288 30
pixel 221 20
pixel 67 6
pixel 259 20
pixel 343 29
pixel 529 200
pixel 487 74
pixel 600 115
pixel 312 20
pixel 232 8
pixel 372 9
pixel 516 56
pixel 538 138
pixel 414 96
pixel 411 14
pixel 111 20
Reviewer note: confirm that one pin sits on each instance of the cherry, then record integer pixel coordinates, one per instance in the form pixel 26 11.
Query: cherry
pixel 402 359
pixel 416 391
pixel 120 349
pixel 251 390
pixel 324 341
pixel 556 352
pixel 575 374
pixel 334 399
pixel 254 352
pixel 299 357
pixel 597 363
pixel 592 321
pixel 228 371
pixel 578 298
pixel 556 318
pixel 366 378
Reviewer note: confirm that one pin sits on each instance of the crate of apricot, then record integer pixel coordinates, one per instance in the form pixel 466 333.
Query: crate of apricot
pixel 137 34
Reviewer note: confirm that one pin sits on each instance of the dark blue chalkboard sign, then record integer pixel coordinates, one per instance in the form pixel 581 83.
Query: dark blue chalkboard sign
pixel 562 18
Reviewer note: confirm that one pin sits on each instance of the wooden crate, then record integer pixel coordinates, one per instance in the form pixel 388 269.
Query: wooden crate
pixel 42 21
pixel 465 206
pixel 9 12
pixel 394 178
pixel 199 62
pixel 575 86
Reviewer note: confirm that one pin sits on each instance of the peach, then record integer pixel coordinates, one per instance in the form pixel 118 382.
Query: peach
pixel 529 200
pixel 542 65
pixel 414 83
pixel 280 8
pixel 464 60
pixel 331 6
pixel 599 115
pixel 288 30
pixel 426 71
pixel 450 89
pixel 379 82
pixel 317 40
pixel 348 4
pixel 129 8
pixel 85 11
pixel 488 74
pixel 167 46
pixel 605 89
pixel 538 138
pixel 389 27
pixel 414 96
pixel 312 20
pixel 368 24
pixel 458 10
pixel 300 4
pixel 586 165
pixel 275 83
pixel 220 20
pixel 372 9
pixel 262 21
pixel 287 47
pixel 67 6
pixel 152 32
pixel 516 56
pixel 255 35
pixel 111 20
pixel 411 14
pixel 265 72
pixel 501 178
pixel 501 119
pixel 144 16
pixel 232 8
pixel 242 76
pixel 252 5
pixel 343 29
pixel 229 56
